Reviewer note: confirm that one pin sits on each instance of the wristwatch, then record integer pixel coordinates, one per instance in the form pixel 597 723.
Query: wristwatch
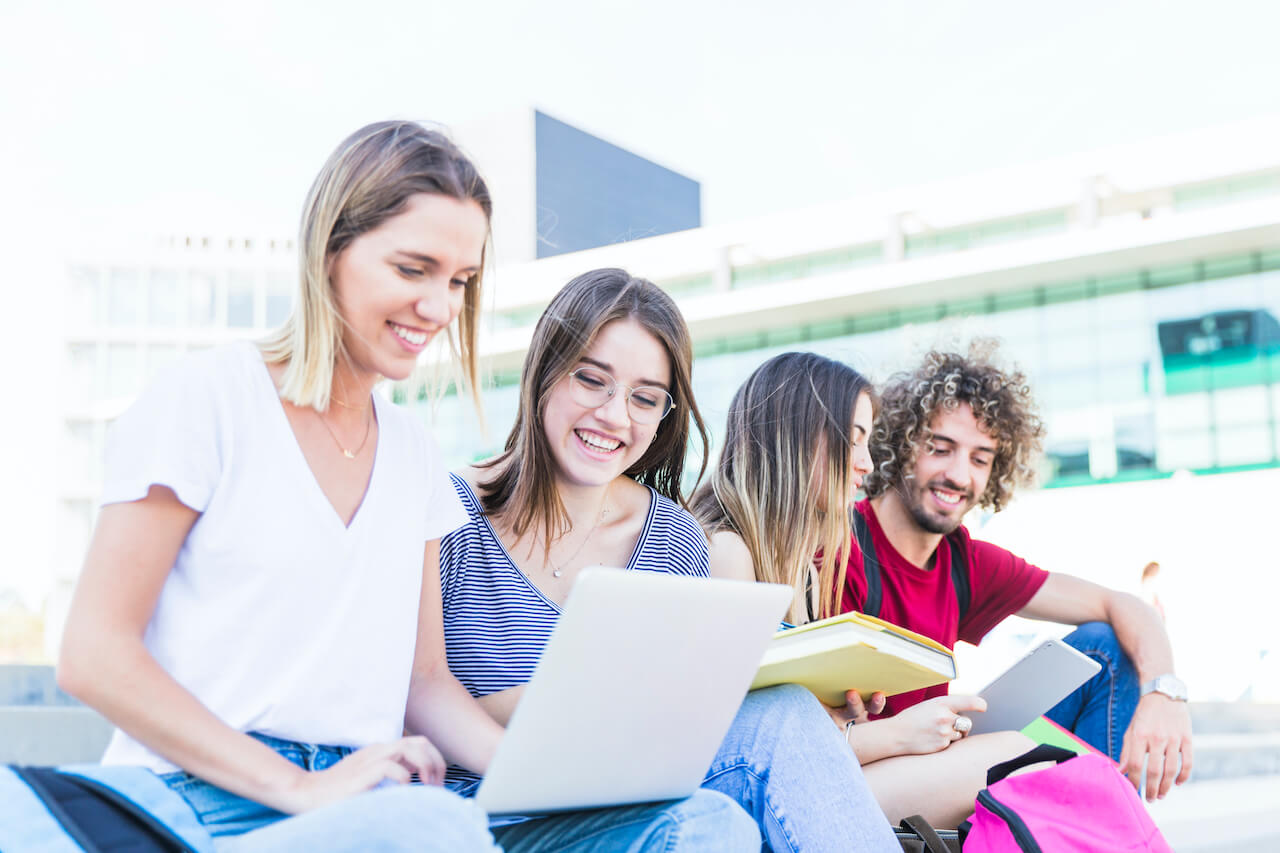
pixel 1168 684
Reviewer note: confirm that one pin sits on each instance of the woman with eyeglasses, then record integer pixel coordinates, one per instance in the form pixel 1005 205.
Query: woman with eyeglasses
pixel 592 476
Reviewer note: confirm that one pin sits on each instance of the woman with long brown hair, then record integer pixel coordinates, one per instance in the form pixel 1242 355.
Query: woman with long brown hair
pixel 592 475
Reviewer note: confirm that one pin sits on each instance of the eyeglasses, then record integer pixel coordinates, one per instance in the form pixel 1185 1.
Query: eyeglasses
pixel 593 387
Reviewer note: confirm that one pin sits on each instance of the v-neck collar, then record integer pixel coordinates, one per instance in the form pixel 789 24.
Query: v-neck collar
pixel 305 473
pixel 529 582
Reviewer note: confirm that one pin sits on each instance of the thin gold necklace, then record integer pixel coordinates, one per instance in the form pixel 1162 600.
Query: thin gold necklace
pixel 556 571
pixel 350 454
pixel 345 405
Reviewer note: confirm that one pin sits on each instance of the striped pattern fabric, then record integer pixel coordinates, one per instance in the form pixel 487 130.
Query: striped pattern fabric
pixel 497 621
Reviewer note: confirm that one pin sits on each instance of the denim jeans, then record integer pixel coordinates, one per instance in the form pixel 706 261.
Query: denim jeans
pixel 394 818
pixel 705 821
pixel 1099 711
pixel 426 818
pixel 791 769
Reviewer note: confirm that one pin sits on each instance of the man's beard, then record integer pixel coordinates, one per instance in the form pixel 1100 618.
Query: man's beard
pixel 923 518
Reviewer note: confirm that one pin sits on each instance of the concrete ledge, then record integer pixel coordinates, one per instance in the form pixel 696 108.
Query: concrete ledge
pixel 34 684
pixel 52 735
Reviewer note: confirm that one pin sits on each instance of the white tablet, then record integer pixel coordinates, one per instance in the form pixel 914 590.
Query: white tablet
pixel 1041 679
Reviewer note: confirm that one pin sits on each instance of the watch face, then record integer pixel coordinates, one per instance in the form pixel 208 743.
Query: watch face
pixel 1169 685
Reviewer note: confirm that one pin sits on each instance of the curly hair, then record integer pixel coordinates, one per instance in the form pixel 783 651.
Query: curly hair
pixel 1002 404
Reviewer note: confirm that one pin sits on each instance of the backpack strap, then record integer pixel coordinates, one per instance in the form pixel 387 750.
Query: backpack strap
pixel 870 563
pixel 871 566
pixel 1037 754
pixel 959 570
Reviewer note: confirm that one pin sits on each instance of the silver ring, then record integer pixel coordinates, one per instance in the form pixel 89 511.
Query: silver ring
pixel 962 725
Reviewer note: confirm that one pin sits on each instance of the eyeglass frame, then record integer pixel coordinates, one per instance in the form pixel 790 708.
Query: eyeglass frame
pixel 615 385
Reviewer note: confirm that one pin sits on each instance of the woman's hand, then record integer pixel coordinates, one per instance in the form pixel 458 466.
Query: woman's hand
pixel 931 725
pixel 363 770
pixel 855 709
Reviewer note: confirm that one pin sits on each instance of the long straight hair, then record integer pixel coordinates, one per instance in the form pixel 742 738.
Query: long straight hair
pixel 523 488
pixel 788 429
pixel 368 179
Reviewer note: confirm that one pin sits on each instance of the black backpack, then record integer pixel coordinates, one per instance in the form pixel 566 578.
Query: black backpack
pixel 98 809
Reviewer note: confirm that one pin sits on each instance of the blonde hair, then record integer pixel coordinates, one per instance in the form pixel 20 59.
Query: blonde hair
pixel 787 423
pixel 367 180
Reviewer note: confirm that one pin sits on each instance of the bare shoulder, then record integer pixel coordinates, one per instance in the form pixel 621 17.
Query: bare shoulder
pixel 730 557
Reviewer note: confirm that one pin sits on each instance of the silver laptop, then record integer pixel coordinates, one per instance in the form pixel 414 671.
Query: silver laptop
pixel 633 693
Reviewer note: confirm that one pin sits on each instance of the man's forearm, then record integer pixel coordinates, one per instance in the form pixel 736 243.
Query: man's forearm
pixel 1141 634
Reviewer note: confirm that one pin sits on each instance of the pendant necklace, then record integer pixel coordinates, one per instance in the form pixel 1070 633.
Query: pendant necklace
pixel 556 571
pixel 350 454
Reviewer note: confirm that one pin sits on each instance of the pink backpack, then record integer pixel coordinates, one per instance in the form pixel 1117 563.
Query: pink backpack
pixel 1081 804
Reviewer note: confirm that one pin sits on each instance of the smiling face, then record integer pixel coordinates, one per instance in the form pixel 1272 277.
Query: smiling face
pixel 951 476
pixel 593 446
pixel 400 284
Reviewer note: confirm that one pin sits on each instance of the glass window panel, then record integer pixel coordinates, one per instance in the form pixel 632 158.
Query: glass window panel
pixel 1269 291
pixel 1122 309
pixel 1126 346
pixel 82 381
pixel 1175 303
pixel 124 297
pixel 1229 266
pixel 1244 445
pixel 1064 351
pixel 1178 450
pixel 1240 406
pixel 84 296
pixel 1135 442
pixel 1183 412
pixel 1173 275
pixel 240 299
pixel 164 299
pixel 158 355
pixel 202 296
pixel 122 370
pixel 1230 294
pixel 1115 284
pixel 1068 390
pixel 1121 383
pixel 78 452
pixel 280 287
pixel 75 520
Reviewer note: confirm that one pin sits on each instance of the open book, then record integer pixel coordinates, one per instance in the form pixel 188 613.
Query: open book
pixel 853 651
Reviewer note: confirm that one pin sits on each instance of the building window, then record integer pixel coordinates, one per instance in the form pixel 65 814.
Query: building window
pixel 124 298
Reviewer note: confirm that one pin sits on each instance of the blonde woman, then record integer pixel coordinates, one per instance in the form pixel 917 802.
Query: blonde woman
pixel 795 453
pixel 260 601
pixel 796 450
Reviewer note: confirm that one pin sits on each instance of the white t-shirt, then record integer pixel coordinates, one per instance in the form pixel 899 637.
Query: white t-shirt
pixel 276 616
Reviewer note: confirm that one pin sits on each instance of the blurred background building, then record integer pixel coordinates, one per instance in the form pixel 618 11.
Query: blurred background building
pixel 1138 287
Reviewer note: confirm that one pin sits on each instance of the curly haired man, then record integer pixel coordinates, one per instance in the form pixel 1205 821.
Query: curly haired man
pixel 955 433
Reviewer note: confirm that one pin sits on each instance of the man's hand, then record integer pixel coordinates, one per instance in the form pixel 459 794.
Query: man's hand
pixel 1161 732
pixel 855 709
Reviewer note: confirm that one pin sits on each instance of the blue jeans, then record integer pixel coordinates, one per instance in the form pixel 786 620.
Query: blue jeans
pixel 400 817
pixel 426 818
pixel 703 822
pixel 1099 711
pixel 791 769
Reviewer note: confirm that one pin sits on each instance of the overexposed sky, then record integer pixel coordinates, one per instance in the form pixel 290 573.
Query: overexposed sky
pixel 140 117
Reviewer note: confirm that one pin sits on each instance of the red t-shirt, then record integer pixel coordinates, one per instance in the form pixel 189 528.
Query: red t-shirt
pixel 924 600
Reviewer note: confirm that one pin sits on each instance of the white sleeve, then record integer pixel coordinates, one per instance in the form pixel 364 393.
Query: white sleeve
pixel 170 436
pixel 445 512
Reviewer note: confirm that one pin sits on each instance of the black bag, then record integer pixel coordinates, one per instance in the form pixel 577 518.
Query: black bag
pixel 917 836
pixel 102 810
